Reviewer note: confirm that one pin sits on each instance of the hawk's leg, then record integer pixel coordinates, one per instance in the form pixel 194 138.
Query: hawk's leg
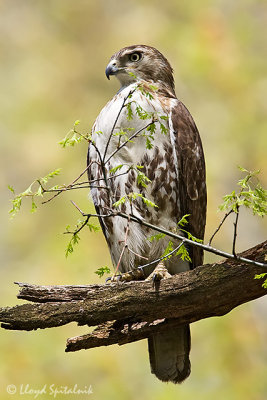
pixel 160 272
pixel 134 275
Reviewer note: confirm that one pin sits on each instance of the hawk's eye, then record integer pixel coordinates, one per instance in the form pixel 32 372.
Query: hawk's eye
pixel 135 57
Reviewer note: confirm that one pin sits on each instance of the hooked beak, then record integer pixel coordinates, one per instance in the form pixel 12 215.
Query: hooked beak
pixel 111 69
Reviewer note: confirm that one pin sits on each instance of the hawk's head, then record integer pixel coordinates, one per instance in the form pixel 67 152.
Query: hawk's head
pixel 140 62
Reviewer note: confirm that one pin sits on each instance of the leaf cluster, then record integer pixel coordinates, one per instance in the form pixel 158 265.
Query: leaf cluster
pixel 132 197
pixel 141 178
pixel 145 115
pixel 73 137
pixel 250 195
pixel 123 134
pixel 261 276
pixel 75 238
pixel 102 270
pixel 32 193
pixel 182 251
pixel 147 92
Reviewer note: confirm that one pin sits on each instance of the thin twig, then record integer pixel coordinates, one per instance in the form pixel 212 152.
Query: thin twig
pixel 78 185
pixel 91 215
pixel 78 208
pixel 80 228
pixel 81 174
pixel 101 179
pixel 74 188
pixel 115 122
pixel 219 227
pixel 59 191
pixel 235 230
pixel 102 164
pixel 129 139
pixel 52 198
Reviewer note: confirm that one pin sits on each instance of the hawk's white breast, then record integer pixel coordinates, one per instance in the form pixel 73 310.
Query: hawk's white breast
pixel 159 164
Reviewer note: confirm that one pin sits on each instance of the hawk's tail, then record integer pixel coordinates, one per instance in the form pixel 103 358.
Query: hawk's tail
pixel 169 354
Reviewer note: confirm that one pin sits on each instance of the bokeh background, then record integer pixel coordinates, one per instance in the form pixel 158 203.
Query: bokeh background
pixel 53 56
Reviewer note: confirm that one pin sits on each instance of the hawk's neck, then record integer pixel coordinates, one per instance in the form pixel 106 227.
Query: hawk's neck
pixel 150 86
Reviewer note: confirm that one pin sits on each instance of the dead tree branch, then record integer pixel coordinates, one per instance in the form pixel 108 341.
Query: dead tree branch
pixel 133 311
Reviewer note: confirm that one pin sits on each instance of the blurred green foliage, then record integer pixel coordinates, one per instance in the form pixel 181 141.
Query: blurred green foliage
pixel 53 57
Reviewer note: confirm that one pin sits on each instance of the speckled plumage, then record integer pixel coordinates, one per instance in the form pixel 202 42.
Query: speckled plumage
pixel 175 165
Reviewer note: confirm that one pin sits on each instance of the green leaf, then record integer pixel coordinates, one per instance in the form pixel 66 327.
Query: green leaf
pixel 183 253
pixel 193 238
pixel 73 137
pixel 228 199
pixel 16 202
pixel 157 237
pixel 163 129
pixel 28 191
pixel 146 92
pixel 129 111
pixel 71 141
pixel 147 202
pixel 242 169
pixel 67 228
pixel 75 236
pixel 39 192
pixel 11 189
pixel 93 228
pixel 115 169
pixel 154 88
pixel 260 276
pixel 53 188
pixel 254 199
pixel 70 247
pixel 102 270
pixel 133 196
pixel 132 75
pixel 142 179
pixel 164 117
pixel 151 129
pixel 51 175
pixel 149 144
pixel 183 221
pixel 142 114
pixel 119 202
pixel 168 250
pixel 34 206
pixel 122 134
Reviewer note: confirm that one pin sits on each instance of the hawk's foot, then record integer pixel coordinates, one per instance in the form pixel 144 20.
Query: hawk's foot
pixel 160 272
pixel 134 275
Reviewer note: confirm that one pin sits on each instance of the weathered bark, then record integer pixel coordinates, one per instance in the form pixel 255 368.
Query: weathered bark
pixel 132 311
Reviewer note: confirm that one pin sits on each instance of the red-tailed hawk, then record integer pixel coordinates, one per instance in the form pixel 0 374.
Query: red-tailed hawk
pixel 146 148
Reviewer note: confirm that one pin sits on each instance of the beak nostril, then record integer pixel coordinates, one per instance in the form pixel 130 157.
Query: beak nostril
pixel 111 68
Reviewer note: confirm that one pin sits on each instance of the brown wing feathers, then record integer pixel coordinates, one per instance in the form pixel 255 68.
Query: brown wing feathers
pixel 192 176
